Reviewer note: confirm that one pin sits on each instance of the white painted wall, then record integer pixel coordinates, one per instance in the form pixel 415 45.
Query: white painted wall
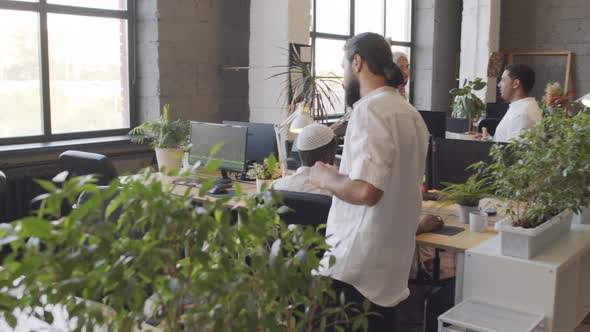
pixel 424 54
pixel 273 24
pixel 480 35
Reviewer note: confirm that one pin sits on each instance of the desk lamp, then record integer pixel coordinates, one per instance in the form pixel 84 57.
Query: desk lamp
pixel 295 124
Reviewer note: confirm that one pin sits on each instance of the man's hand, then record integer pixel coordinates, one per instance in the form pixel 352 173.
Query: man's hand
pixel 322 173
pixel 428 223
pixel 356 192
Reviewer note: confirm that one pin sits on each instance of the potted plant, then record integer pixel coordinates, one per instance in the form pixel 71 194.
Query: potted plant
pixel 467 195
pixel 264 173
pixel 301 85
pixel 150 255
pixel 546 173
pixel 168 138
pixel 466 104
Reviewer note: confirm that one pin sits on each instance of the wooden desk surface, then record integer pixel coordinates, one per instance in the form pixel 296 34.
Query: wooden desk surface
pixel 248 189
pixel 458 242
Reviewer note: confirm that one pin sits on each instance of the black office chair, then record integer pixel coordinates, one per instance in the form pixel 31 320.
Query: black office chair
pixel 85 163
pixel 307 209
pixel 490 124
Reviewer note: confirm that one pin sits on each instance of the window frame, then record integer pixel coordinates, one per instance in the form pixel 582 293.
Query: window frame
pixel 322 35
pixel 43 8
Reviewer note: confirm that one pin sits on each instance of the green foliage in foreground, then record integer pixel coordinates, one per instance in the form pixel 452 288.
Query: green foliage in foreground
pixel 198 267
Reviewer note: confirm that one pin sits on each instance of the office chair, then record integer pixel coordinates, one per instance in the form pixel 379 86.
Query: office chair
pixel 490 123
pixel 307 209
pixel 85 163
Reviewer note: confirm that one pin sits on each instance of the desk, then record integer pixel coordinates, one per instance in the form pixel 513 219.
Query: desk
pixel 457 243
pixel 248 188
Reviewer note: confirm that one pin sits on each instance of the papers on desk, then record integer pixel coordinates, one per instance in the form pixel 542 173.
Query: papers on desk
pixel 467 137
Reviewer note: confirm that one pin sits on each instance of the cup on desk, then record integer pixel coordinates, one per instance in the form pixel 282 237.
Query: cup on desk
pixel 478 221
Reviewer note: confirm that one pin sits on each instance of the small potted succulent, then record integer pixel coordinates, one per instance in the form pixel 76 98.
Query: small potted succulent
pixel 467 195
pixel 170 139
pixel 264 173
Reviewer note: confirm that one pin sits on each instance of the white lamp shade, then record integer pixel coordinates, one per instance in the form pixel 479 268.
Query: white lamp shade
pixel 302 119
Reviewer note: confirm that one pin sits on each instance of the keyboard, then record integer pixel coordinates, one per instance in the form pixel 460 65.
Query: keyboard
pixel 430 196
pixel 189 183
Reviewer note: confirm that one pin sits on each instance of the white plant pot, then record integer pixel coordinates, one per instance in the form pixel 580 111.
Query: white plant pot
pixel 262 183
pixel 169 158
pixel 528 242
pixel 583 217
pixel 464 213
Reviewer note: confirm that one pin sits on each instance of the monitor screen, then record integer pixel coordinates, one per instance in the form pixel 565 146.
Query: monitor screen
pixel 261 140
pixel 436 122
pixel 205 136
pixel 453 156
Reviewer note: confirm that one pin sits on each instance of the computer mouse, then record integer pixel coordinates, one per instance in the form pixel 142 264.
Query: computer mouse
pixel 218 190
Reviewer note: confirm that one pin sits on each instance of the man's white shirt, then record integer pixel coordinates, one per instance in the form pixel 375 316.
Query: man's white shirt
pixel 521 115
pixel 385 145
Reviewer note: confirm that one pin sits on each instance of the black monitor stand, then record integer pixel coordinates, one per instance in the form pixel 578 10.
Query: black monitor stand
pixel 224 179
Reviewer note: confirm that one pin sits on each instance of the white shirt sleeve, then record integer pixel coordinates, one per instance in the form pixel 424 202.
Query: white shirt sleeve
pixel 374 149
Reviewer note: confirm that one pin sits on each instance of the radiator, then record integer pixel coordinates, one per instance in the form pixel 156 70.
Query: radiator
pixel 21 189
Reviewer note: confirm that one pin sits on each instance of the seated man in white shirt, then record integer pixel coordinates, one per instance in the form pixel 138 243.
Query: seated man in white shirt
pixel 524 112
pixel 316 142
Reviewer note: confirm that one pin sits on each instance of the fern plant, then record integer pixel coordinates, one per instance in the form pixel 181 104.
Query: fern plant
pixel 468 193
pixel 163 133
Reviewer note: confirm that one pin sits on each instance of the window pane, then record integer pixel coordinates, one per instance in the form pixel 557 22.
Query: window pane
pixel 407 52
pixel 328 57
pixel 88 73
pixel 333 16
pixel 399 20
pixel 368 16
pixel 102 4
pixel 20 87
pixel 337 107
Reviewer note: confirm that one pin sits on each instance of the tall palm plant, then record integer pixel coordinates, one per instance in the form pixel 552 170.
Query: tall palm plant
pixel 302 86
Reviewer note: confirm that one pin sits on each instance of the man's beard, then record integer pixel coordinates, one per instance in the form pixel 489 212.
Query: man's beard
pixel 352 92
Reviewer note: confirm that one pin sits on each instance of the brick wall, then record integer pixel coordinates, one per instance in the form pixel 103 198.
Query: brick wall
pixel 183 47
pixel 550 25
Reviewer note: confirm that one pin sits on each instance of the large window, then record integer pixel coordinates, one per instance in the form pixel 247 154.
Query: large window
pixel 335 21
pixel 65 69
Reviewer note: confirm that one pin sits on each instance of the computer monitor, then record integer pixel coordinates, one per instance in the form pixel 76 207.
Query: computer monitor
pixel 436 122
pixel 205 136
pixel 453 156
pixel 261 140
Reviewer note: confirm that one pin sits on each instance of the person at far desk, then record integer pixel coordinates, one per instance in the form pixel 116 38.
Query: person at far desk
pixel 524 112
pixel 401 60
pixel 375 210
pixel 316 142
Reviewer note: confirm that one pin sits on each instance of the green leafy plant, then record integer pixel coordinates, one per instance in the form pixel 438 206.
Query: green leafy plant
pixel 545 171
pixel 303 86
pixel 268 170
pixel 467 104
pixel 466 194
pixel 163 132
pixel 195 266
